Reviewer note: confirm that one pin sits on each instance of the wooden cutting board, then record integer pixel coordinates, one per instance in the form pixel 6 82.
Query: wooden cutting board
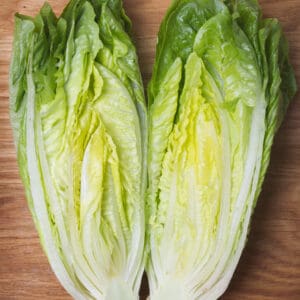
pixel 270 266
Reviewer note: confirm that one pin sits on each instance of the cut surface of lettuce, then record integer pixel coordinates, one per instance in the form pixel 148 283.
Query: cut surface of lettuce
pixel 220 87
pixel 79 118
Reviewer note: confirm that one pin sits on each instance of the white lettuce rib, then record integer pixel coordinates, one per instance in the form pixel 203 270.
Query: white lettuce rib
pixel 38 197
pixel 244 201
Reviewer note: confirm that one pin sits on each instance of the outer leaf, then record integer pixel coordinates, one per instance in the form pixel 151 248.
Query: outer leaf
pixel 176 35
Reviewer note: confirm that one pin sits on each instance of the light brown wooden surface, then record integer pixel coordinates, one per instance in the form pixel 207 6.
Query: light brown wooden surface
pixel 270 266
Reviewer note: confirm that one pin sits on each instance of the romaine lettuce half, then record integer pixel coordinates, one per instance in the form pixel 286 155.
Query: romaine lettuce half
pixel 78 112
pixel 220 87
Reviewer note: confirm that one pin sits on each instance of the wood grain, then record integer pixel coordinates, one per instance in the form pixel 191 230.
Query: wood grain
pixel 270 265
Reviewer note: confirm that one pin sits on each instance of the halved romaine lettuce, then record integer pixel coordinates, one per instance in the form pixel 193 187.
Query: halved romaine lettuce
pixel 220 88
pixel 79 118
